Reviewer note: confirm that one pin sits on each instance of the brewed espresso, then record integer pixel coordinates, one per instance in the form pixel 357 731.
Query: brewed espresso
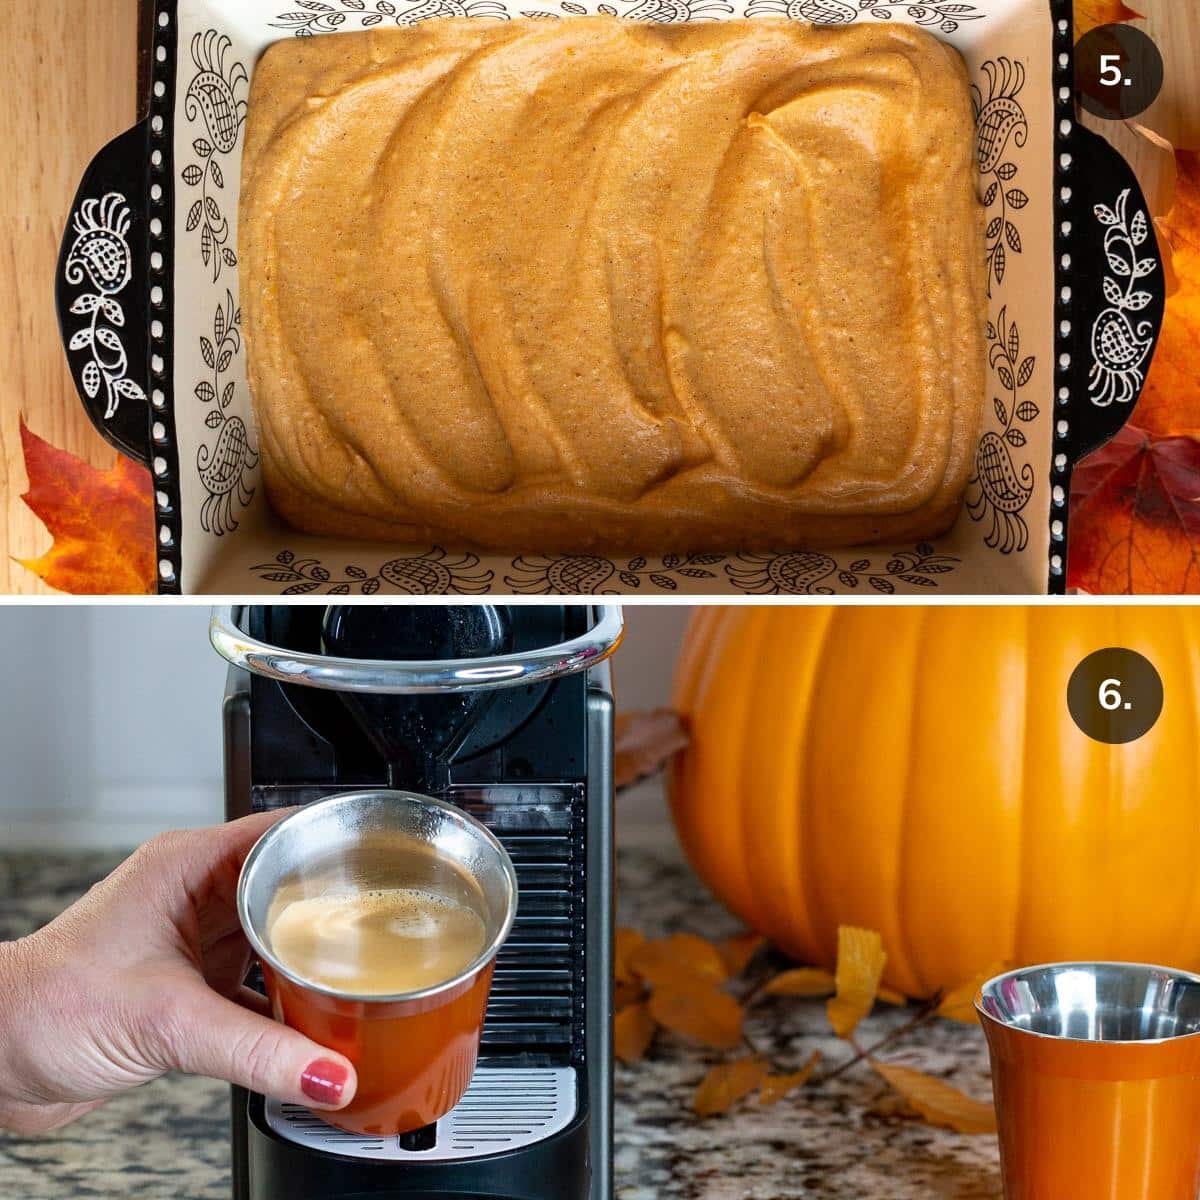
pixel 378 932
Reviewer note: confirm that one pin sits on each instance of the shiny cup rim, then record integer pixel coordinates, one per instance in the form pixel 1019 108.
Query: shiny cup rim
pixel 485 956
pixel 996 980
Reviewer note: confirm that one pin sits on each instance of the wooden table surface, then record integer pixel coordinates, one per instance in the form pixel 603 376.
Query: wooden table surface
pixel 70 82
pixel 69 70
pixel 1175 27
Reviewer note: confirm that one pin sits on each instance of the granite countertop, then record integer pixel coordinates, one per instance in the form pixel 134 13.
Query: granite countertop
pixel 170 1139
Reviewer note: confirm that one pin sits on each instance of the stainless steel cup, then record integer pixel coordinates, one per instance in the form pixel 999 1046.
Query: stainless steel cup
pixel 1096 1074
pixel 414 1052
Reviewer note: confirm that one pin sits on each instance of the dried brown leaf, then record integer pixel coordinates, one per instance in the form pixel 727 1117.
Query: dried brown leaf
pixel 624 944
pixel 633 1031
pixel 625 994
pixel 775 1087
pixel 958 1004
pixel 892 1106
pixel 803 981
pixel 701 1013
pixel 736 952
pixel 727 1083
pixel 673 961
pixel 860 965
pixel 645 743
pixel 937 1102
pixel 1090 14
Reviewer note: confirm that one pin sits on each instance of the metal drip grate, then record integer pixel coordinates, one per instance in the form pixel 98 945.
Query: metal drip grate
pixel 505 1108
pixel 536 1004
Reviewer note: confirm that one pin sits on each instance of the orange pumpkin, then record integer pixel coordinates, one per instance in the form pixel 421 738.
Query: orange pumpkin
pixel 915 770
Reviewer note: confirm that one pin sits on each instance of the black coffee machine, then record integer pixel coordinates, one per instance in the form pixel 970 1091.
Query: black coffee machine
pixel 506 711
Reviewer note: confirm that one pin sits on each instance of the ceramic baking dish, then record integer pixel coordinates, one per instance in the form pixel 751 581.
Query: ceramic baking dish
pixel 148 299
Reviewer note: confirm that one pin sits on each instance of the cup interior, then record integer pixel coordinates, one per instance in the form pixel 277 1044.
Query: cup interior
pixel 364 841
pixel 1097 1002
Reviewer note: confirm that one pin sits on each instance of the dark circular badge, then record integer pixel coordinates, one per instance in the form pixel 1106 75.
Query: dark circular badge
pixel 1115 695
pixel 1118 72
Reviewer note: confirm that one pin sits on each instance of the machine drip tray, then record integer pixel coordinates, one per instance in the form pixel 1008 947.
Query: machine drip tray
pixel 505 1108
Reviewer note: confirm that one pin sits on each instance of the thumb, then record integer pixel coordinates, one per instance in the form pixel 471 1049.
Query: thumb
pixel 222 1040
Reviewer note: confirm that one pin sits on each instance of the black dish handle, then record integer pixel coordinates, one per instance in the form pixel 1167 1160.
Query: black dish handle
pixel 102 290
pixel 1117 297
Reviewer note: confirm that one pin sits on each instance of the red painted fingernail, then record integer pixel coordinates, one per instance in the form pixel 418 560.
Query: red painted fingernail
pixel 324 1081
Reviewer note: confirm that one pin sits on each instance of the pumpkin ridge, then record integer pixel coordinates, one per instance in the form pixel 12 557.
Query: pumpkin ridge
pixel 1181 717
pixel 775 751
pixel 690 800
pixel 903 960
pixel 1191 914
pixel 712 827
pixel 1016 931
pixel 824 949
pixel 1041 826
pixel 745 812
pixel 795 762
pixel 1114 786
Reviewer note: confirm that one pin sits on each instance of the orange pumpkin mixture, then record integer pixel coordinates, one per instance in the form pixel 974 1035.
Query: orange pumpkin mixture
pixel 601 285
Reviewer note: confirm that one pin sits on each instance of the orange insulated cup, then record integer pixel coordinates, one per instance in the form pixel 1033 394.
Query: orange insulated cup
pixel 1096 1074
pixel 415 1049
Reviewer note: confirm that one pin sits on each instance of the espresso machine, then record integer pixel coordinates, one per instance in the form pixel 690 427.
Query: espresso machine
pixel 506 711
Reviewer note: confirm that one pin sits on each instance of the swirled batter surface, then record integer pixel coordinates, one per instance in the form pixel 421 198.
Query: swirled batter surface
pixel 591 285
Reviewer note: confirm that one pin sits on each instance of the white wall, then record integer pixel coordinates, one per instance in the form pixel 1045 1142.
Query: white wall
pixel 110 718
pixel 645 664
pixel 109 724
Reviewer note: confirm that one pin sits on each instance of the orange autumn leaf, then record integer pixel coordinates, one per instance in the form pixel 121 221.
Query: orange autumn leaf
pixel 958 1004
pixel 624 944
pixel 937 1102
pixel 633 1031
pixel 727 1083
pixel 1089 14
pixel 891 1106
pixel 887 995
pixel 670 975
pixel 1170 403
pixel 736 952
pixel 700 1013
pixel 677 961
pixel 860 962
pixel 644 743
pixel 802 981
pixel 102 522
pixel 625 994
pixel 775 1087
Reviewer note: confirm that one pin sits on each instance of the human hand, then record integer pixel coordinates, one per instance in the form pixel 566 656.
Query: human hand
pixel 143 976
